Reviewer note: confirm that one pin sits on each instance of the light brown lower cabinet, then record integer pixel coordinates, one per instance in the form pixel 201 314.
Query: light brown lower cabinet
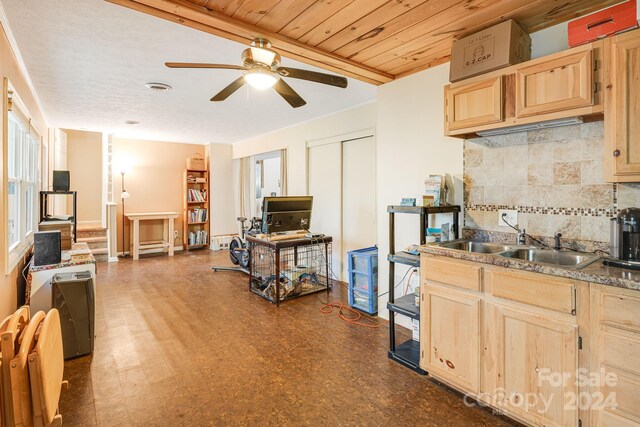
pixel 529 364
pixel 451 345
pixel 544 350
pixel 615 356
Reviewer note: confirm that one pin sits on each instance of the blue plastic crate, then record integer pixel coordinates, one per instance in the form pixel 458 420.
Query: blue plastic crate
pixel 363 279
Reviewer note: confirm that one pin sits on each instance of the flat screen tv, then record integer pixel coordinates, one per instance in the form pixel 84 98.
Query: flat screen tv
pixel 286 213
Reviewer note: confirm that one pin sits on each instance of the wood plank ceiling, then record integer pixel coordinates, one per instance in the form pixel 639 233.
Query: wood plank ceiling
pixel 371 40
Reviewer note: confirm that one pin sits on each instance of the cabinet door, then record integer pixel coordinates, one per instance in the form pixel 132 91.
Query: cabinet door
pixel 529 365
pixel 559 84
pixel 622 107
pixel 474 104
pixel 451 349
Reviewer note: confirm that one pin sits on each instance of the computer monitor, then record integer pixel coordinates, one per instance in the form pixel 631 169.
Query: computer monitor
pixel 286 213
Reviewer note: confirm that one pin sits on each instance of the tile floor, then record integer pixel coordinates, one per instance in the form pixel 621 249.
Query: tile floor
pixel 178 344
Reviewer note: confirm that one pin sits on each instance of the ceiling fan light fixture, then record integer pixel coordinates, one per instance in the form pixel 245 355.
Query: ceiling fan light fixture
pixel 260 79
pixel 266 56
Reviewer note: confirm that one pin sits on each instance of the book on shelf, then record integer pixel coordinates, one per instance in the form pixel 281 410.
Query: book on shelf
pixel 194 195
pixel 199 237
pixel 197 215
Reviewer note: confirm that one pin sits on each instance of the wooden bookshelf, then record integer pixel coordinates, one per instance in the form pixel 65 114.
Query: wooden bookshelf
pixel 196 202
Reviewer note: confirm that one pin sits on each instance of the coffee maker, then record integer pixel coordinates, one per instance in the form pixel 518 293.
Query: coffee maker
pixel 625 239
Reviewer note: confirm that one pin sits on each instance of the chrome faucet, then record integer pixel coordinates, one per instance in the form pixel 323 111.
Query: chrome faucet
pixel 556 241
pixel 522 236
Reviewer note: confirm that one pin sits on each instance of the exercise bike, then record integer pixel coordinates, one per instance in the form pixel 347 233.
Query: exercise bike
pixel 239 247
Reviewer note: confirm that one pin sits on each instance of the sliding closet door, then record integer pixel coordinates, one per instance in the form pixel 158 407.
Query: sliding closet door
pixel 358 197
pixel 325 185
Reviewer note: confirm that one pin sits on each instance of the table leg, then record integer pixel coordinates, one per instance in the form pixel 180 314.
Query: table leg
pixel 136 239
pixel 277 277
pixel 326 268
pixel 165 233
pixel 170 240
pixel 75 218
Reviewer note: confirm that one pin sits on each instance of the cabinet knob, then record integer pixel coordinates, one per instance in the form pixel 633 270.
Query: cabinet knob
pixel 616 153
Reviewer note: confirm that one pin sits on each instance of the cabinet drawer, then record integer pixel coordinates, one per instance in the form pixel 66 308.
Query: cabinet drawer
pixel 533 289
pixel 626 389
pixel 452 272
pixel 621 349
pixel 621 309
pixel 607 419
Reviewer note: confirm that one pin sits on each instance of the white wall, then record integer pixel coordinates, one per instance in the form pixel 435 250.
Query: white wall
pixel 294 139
pixel 410 146
pixel 223 189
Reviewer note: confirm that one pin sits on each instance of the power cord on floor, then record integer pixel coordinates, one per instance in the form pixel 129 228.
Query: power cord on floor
pixel 329 307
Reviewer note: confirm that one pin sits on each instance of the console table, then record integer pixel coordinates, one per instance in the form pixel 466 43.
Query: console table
pixel 167 231
pixel 285 269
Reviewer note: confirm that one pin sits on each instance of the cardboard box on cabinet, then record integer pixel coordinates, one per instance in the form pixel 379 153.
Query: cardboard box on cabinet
pixel 496 47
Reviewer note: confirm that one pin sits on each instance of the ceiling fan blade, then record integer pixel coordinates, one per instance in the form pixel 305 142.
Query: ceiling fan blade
pixel 313 76
pixel 201 65
pixel 234 86
pixel 289 94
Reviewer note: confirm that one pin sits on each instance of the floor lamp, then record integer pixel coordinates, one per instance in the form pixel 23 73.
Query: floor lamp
pixel 123 195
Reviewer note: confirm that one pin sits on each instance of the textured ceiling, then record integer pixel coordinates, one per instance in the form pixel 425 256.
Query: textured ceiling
pixel 89 61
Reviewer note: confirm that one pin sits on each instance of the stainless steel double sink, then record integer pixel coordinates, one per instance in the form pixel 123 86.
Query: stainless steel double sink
pixel 566 259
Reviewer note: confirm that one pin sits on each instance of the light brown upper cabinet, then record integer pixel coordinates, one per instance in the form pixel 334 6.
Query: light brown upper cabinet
pixel 622 107
pixel 475 104
pixel 557 86
pixel 561 83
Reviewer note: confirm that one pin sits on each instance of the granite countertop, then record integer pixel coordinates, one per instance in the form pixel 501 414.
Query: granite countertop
pixel 596 272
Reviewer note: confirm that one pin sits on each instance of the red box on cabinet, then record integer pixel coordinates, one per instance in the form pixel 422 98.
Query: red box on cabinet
pixel 604 23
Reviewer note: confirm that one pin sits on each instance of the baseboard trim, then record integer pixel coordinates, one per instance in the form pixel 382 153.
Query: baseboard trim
pixel 89 224
pixel 153 251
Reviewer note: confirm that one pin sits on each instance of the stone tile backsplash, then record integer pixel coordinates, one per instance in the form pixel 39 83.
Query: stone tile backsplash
pixel 553 177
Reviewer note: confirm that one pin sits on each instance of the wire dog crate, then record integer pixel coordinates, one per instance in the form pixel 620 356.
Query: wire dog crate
pixel 285 269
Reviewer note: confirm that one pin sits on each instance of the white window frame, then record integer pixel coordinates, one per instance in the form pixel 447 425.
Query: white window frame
pixel 26 178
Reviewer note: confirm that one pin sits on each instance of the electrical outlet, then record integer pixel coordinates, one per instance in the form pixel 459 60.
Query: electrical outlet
pixel 511 217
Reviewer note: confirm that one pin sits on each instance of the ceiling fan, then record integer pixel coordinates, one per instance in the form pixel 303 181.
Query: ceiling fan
pixel 261 69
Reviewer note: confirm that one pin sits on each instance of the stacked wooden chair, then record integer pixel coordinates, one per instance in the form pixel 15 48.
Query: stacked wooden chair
pixel 31 367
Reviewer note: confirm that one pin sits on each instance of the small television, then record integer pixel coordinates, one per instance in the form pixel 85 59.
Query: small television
pixel 286 213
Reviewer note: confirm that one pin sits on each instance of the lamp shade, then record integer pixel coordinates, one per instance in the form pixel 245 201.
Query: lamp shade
pixel 260 79
pixel 123 165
